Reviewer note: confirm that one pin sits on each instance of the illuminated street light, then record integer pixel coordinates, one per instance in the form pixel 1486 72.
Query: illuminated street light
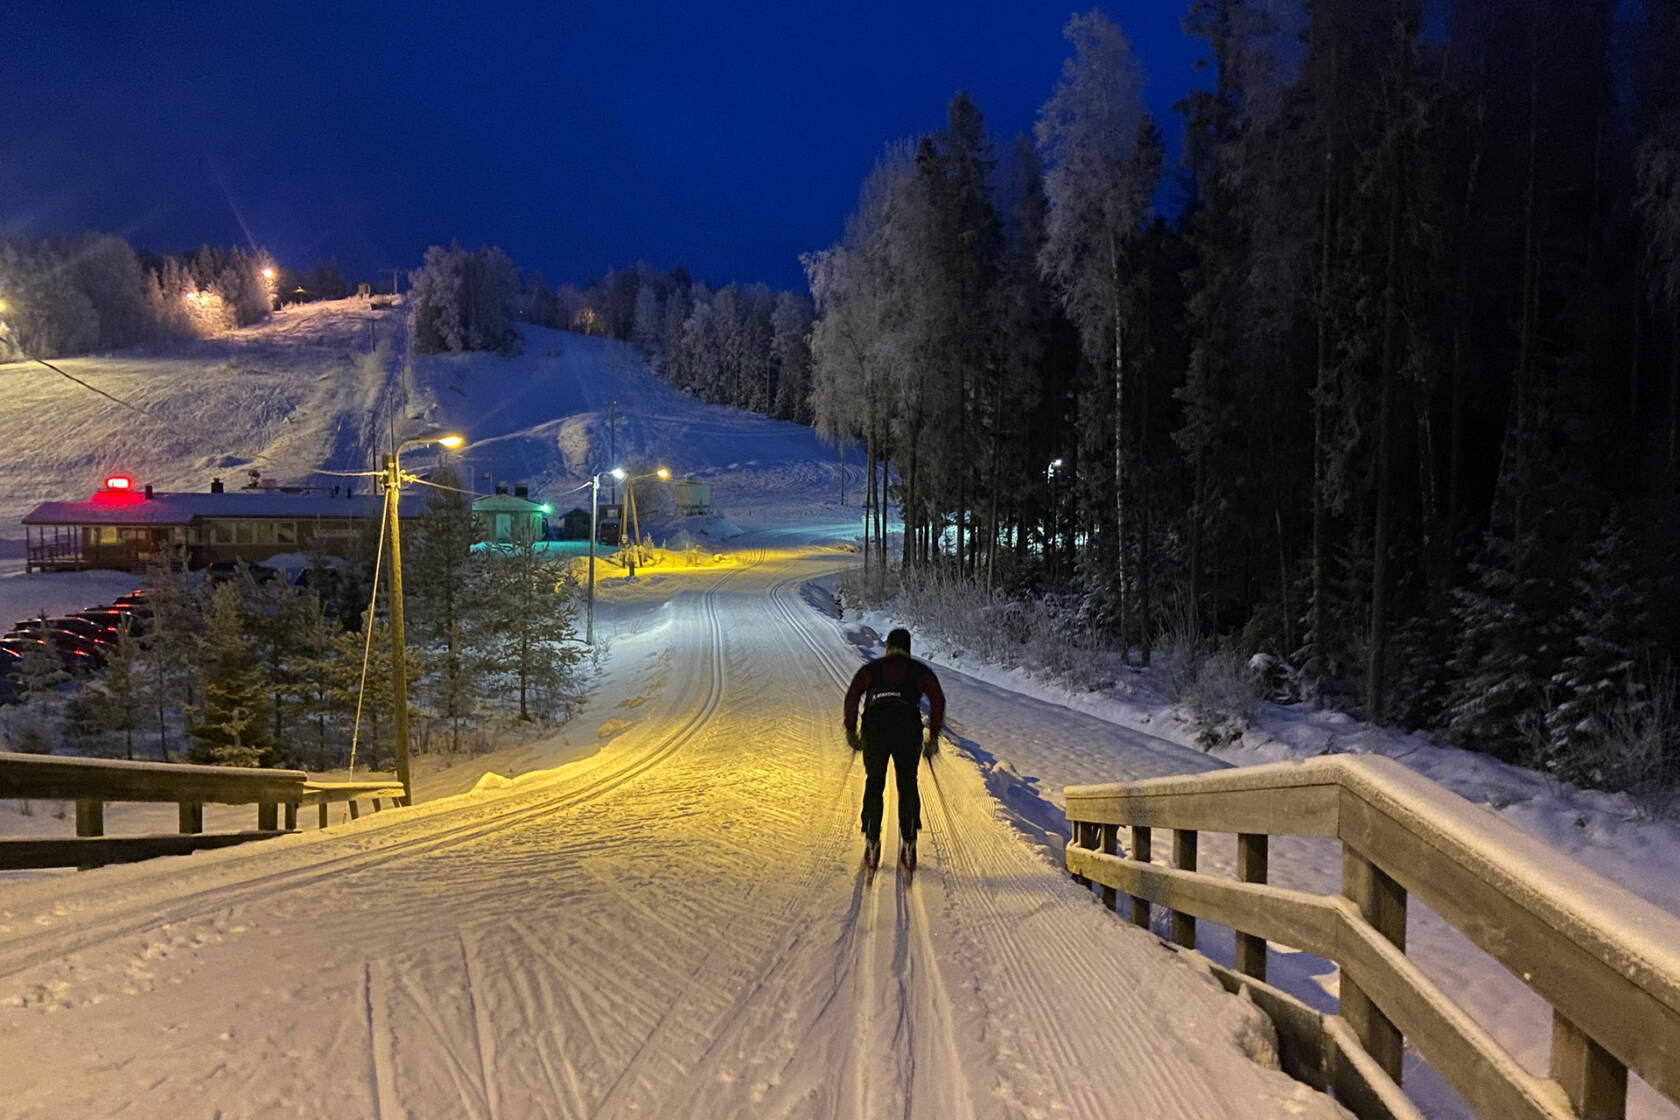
pixel 399 660
pixel 268 274
pixel 630 511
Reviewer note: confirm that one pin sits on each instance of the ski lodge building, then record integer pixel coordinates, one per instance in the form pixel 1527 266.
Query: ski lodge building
pixel 123 528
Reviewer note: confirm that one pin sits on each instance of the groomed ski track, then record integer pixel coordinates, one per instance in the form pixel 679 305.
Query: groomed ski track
pixel 677 926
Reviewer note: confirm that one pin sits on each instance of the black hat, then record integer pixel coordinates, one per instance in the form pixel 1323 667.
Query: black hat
pixel 898 639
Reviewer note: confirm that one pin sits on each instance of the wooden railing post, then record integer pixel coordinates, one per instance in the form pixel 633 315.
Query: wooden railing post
pixel 1141 853
pixel 191 816
pixel 90 818
pixel 1595 1082
pixel 1382 902
pixel 1251 868
pixel 355 811
pixel 1109 839
pixel 268 816
pixel 291 816
pixel 1076 838
pixel 1184 858
pixel 323 814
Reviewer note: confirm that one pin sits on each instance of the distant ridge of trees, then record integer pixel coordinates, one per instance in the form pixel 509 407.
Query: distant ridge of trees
pixel 91 291
pixel 745 345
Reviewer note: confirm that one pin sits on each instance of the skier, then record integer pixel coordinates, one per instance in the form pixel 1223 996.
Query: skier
pixel 892 688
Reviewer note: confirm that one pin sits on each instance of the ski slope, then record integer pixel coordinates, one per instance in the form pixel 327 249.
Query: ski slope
pixel 675 925
pixel 327 386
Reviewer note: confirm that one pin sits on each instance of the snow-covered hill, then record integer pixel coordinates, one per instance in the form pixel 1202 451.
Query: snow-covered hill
pixel 324 386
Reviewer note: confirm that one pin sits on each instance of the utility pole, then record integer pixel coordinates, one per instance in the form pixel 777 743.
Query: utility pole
pixel 399 647
pixel 399 660
pixel 612 446
pixel 594 505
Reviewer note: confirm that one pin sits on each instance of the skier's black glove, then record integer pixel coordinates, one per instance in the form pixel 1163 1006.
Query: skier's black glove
pixel 931 747
pixel 854 739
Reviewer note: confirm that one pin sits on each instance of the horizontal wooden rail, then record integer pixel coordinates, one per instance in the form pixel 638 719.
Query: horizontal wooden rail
pixel 93 783
pixel 1607 961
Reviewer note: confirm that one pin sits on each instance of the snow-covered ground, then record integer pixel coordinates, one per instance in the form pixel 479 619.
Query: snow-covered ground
pixel 673 925
pixel 655 909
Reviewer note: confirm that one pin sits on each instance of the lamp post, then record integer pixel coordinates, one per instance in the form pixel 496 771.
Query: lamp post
pixel 594 507
pixel 399 659
pixel 630 512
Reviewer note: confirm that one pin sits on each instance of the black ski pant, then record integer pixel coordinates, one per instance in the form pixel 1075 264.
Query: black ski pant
pixel 905 751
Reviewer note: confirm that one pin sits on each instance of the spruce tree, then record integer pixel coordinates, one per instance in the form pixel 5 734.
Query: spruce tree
pixel 1613 641
pixel 441 562
pixel 229 726
pixel 525 626
pixel 121 696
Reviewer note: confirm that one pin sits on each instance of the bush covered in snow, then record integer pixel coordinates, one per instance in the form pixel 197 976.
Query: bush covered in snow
pixel 465 300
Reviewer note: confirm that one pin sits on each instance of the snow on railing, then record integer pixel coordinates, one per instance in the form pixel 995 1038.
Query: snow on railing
pixel 93 783
pixel 1606 961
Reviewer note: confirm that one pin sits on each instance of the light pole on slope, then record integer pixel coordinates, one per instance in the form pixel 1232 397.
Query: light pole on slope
pixel 399 661
pixel 594 507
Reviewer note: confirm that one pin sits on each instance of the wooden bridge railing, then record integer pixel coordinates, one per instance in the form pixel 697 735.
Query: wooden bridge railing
pixel 93 783
pixel 1606 961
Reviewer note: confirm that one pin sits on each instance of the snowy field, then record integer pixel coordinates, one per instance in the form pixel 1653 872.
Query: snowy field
pixel 656 908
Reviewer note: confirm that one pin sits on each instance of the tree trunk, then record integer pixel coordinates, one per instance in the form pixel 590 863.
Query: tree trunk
pixel 997 457
pixel 1196 544
pixel 1376 667
pixel 1119 442
pixel 1321 451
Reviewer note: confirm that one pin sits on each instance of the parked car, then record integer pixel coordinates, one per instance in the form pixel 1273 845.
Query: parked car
pixel 65 639
pixel 114 617
pixel 132 599
pixel 75 659
pixel 223 570
pixel 105 635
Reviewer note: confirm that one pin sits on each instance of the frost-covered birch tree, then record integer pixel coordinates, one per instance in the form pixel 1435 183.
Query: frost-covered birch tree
pixel 1101 173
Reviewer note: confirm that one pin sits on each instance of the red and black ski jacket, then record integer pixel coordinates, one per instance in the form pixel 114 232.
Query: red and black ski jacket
pixel 896 681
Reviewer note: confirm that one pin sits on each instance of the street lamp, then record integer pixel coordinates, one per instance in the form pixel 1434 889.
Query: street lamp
pixel 399 660
pixel 594 507
pixel 630 512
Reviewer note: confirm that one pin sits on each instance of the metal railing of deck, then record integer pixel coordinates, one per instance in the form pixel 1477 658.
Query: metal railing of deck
pixel 1607 961
pixel 93 783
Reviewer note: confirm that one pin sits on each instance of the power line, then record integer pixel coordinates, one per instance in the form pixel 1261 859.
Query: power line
pixel 147 413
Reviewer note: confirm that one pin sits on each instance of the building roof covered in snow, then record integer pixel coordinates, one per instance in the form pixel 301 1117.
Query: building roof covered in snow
pixel 131 507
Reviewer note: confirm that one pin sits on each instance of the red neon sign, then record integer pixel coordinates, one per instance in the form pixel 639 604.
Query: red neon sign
pixel 119 482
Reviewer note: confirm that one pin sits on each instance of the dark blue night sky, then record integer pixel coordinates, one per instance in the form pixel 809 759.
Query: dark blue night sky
pixel 728 137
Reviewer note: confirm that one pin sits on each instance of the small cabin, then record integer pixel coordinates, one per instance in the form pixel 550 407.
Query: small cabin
pixel 504 518
pixel 693 497
pixel 574 525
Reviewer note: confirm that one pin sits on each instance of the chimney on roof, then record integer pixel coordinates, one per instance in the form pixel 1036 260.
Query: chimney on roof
pixel 501 489
pixel 215 486
pixel 148 491
pixel 522 491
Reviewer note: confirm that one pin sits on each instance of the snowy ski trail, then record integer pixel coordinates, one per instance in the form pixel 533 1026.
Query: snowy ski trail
pixel 675 926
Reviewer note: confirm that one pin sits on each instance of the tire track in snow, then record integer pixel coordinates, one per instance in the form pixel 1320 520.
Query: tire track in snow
pixel 485 1034
pixel 917 996
pixel 386 1104
pixel 765 976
